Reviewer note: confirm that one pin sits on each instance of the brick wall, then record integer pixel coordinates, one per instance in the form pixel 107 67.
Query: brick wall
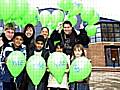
pixel 95 52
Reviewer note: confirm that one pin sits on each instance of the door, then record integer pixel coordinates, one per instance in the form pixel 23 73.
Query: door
pixel 112 55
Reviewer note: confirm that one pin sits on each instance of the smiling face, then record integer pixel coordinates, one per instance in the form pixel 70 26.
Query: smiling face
pixel 39 45
pixel 44 32
pixel 67 29
pixel 18 40
pixel 9 33
pixel 29 32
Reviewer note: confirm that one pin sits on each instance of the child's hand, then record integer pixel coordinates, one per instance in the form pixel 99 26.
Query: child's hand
pixel 47 69
pixel 67 70
pixel 1 42
pixel 59 27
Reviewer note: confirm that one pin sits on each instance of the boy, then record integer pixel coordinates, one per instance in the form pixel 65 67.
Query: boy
pixel 40 50
pixel 7 36
pixel 16 45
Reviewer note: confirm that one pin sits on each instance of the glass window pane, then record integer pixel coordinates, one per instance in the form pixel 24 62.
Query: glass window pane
pixel 117 39
pixel 98 39
pixel 116 29
pixel 117 35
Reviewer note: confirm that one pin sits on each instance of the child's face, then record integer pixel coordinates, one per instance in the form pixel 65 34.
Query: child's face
pixel 18 40
pixel 9 33
pixel 78 53
pixel 29 32
pixel 39 45
pixel 59 49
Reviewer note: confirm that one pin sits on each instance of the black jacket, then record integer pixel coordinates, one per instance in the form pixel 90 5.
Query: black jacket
pixel 68 41
pixel 83 38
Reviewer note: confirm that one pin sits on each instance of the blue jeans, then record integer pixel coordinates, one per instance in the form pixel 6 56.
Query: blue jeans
pixel 79 86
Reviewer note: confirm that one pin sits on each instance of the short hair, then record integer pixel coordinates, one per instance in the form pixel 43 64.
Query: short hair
pixel 18 34
pixel 67 22
pixel 59 44
pixel 40 38
pixel 9 26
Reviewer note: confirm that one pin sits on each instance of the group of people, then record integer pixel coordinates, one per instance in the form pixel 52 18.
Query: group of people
pixel 64 40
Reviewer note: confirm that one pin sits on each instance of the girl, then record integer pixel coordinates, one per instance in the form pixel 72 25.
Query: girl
pixel 78 51
pixel 52 83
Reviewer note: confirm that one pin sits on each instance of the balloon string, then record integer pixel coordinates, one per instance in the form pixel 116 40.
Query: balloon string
pixel 36 87
pixel 15 84
pixel 14 80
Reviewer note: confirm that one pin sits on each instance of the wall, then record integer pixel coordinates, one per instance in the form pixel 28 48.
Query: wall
pixel 95 52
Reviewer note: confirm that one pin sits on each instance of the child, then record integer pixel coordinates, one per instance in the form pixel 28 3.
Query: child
pixel 16 45
pixel 39 50
pixel 78 51
pixel 7 35
pixel 52 83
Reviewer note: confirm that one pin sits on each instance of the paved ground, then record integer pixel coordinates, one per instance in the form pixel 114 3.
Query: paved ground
pixel 105 80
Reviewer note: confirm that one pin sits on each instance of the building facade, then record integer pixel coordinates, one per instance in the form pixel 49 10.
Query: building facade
pixel 104 49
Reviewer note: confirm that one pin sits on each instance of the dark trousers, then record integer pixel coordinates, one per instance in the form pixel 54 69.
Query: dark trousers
pixel 41 86
pixel 58 89
pixel 9 86
pixel 79 86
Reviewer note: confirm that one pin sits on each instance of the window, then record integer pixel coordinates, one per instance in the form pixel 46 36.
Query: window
pixel 112 56
pixel 107 32
pixel 110 32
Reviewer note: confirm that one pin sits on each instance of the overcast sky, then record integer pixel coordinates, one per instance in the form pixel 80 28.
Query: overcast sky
pixel 106 8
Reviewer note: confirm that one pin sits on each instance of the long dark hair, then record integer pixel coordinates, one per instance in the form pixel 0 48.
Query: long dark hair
pixel 29 25
pixel 26 39
pixel 43 28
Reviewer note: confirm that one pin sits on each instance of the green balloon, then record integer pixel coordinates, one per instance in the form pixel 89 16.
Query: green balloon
pixel 44 18
pixel 57 64
pixel 79 69
pixel 7 8
pixel 57 16
pixel 75 10
pixel 30 18
pixel 65 5
pixel 16 63
pixel 94 19
pixel 91 30
pixel 36 68
pixel 90 16
pixel 73 20
pixel 51 27
pixel 22 9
